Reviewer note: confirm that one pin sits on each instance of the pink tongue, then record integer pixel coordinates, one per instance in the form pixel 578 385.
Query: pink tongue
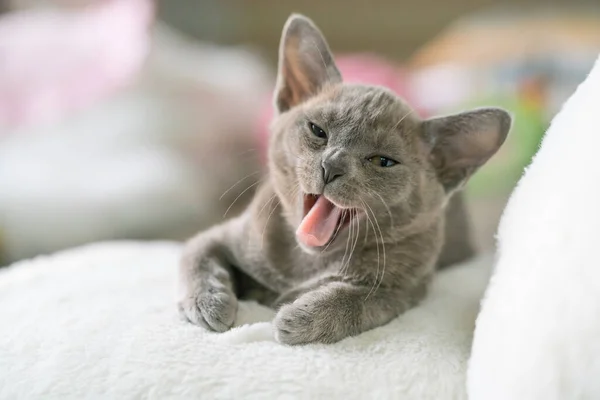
pixel 318 226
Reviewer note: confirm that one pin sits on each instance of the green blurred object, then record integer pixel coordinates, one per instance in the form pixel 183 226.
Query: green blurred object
pixel 504 170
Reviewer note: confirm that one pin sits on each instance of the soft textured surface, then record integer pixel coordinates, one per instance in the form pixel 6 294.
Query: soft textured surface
pixel 538 334
pixel 100 321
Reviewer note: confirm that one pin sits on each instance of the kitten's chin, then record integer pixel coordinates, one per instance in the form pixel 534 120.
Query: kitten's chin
pixel 323 222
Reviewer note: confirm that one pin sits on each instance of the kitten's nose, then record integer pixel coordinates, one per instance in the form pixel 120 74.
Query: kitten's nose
pixel 331 170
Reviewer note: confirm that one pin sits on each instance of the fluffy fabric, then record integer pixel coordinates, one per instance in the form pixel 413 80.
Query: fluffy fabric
pixel 538 333
pixel 100 322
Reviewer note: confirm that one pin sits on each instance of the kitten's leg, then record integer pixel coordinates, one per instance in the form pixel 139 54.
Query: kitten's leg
pixel 294 293
pixel 337 310
pixel 206 277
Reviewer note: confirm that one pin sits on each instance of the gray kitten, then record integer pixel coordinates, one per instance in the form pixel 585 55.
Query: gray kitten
pixel 345 232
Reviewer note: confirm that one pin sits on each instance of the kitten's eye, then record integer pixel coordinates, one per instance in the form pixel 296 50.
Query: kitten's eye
pixel 317 131
pixel 381 161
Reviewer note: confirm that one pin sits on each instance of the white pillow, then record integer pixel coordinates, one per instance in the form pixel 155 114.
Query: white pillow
pixel 538 334
pixel 101 322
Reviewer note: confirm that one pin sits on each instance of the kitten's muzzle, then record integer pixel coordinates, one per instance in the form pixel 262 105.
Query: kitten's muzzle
pixel 332 167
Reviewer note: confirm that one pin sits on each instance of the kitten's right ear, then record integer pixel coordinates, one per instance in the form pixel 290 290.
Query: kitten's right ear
pixel 305 63
pixel 461 143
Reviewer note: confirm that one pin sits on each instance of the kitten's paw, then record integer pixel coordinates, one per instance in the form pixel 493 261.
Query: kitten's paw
pixel 303 322
pixel 292 325
pixel 212 307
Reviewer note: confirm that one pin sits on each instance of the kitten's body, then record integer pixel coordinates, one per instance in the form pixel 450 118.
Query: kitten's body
pixel 389 222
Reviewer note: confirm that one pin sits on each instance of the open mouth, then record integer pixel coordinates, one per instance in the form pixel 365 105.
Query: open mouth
pixel 322 221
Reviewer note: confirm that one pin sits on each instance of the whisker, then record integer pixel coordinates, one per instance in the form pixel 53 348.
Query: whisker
pixel 298 157
pixel 352 247
pixel 347 243
pixel 344 263
pixel 382 245
pixel 402 119
pixel 240 195
pixel 262 244
pixel 383 251
pixel 265 205
pixel 295 190
pixel 377 246
pixel 237 183
pixel 384 204
pixel 366 234
pixel 355 242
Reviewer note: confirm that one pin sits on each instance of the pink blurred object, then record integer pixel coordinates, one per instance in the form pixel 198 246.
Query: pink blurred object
pixel 57 61
pixel 355 68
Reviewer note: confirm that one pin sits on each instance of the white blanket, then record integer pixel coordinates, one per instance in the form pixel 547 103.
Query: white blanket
pixel 538 335
pixel 100 322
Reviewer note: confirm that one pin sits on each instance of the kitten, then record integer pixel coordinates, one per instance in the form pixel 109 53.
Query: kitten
pixel 345 232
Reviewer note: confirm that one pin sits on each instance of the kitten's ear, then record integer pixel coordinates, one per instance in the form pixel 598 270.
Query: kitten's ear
pixel 305 63
pixel 462 143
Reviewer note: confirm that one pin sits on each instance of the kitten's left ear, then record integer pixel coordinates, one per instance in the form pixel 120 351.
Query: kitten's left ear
pixel 462 143
pixel 305 63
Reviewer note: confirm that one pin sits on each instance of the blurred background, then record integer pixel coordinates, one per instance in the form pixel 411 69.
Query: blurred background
pixel 133 119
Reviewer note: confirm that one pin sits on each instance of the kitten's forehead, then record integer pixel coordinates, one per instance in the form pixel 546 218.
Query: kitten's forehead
pixel 361 105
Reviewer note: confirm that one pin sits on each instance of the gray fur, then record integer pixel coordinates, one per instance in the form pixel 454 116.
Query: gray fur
pixel 381 264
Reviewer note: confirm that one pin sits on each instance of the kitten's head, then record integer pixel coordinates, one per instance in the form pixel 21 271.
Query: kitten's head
pixel 342 152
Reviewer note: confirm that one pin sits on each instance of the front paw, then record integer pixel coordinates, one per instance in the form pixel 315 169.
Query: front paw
pixel 211 305
pixel 307 320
